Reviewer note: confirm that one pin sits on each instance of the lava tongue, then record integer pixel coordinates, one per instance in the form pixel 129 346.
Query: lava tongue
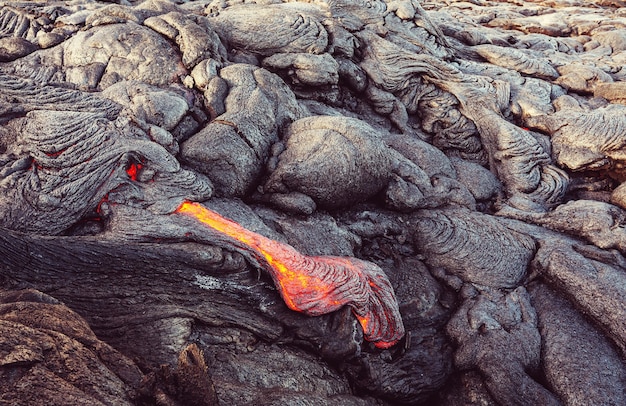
pixel 318 285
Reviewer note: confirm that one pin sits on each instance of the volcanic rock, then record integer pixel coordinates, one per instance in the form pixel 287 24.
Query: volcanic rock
pixel 381 202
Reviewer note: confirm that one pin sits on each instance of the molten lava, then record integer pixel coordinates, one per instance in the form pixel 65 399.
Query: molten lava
pixel 317 285
pixel 133 170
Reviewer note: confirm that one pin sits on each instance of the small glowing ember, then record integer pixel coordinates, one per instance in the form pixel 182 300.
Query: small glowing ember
pixel 133 170
pixel 318 285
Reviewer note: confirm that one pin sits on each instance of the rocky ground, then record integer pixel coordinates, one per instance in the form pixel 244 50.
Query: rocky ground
pixel 471 154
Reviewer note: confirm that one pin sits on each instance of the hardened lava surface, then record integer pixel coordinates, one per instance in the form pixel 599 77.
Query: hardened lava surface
pixel 324 202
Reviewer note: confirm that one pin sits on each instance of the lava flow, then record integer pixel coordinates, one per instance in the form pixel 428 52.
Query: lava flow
pixel 317 285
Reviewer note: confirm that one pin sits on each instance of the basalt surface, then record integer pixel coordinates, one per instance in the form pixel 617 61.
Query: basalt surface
pixel 325 202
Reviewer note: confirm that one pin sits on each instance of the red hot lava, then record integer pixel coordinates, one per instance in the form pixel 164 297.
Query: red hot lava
pixel 133 170
pixel 318 285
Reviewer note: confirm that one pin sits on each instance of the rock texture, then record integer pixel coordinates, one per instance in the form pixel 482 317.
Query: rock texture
pixel 411 202
pixel 47 349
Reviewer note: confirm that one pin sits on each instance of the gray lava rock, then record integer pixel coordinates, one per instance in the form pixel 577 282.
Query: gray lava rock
pixel 335 160
pixel 477 145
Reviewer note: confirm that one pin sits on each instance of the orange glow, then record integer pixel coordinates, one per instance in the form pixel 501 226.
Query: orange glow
pixel 103 200
pixel 314 285
pixel 289 280
pixel 55 154
pixel 133 170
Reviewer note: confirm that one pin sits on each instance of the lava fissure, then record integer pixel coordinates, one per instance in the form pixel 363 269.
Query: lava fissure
pixel 316 285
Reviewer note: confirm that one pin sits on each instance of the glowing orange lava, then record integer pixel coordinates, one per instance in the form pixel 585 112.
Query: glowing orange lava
pixel 318 285
pixel 133 170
